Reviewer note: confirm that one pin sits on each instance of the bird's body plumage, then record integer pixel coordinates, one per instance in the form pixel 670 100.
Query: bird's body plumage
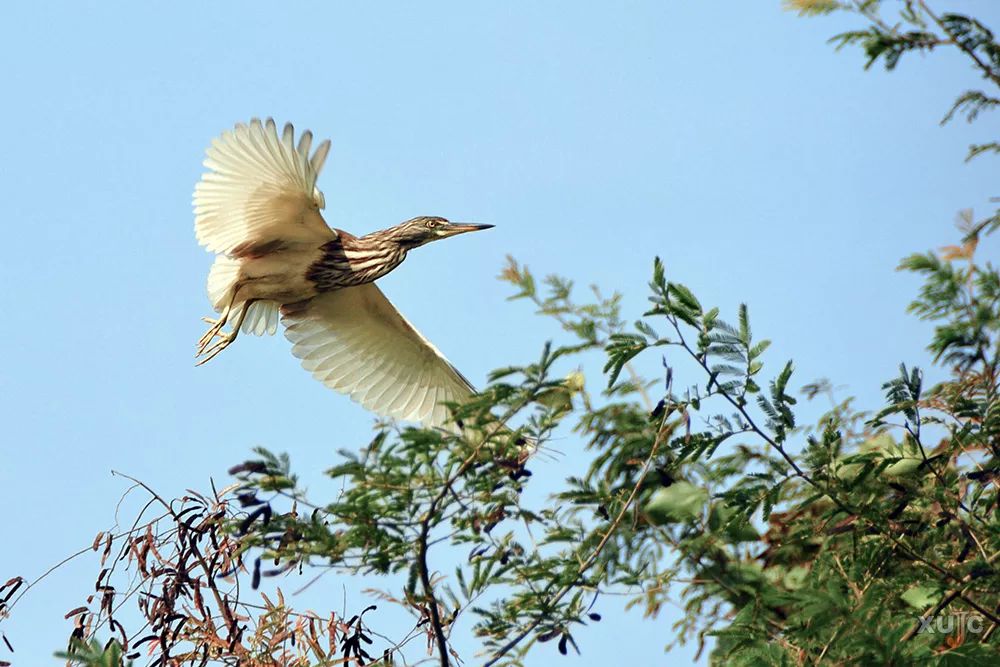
pixel 348 261
pixel 258 208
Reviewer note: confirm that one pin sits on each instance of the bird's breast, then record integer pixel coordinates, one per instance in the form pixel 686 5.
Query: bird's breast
pixel 348 264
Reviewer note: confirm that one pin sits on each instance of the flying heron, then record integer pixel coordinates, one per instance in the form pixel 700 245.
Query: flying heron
pixel 258 208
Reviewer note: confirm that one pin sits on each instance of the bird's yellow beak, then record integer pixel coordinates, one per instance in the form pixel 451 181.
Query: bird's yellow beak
pixel 455 228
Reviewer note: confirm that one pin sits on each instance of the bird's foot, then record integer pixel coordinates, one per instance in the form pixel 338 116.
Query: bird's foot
pixel 214 331
pixel 208 352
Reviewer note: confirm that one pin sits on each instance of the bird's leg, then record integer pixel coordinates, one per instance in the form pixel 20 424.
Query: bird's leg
pixel 214 330
pixel 216 325
pixel 208 352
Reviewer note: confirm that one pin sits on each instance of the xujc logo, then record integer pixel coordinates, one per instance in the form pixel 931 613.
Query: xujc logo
pixel 952 623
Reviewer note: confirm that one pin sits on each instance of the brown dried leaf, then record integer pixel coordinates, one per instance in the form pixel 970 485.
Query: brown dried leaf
pixel 11 581
pixel 74 612
pixel 107 549
pixel 317 649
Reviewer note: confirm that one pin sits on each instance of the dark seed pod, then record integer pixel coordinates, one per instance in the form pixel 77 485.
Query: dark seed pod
pixel 72 612
pixel 255 582
pixel 248 466
pixel 262 511
pixel 965 551
pixel 983 475
pixel 248 499
pixel 548 636
pixel 899 508
pixel 666 479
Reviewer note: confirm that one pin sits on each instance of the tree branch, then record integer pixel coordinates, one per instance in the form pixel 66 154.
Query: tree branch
pixel 988 71
pixel 503 650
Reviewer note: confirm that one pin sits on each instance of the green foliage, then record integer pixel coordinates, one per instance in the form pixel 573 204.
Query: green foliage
pixel 93 654
pixel 793 543
pixel 961 296
pixel 679 502
pixel 814 7
pixel 970 104
pixel 917 28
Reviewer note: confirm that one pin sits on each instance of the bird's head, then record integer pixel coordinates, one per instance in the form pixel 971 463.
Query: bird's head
pixel 423 229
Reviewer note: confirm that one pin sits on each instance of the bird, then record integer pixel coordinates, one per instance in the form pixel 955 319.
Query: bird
pixel 257 208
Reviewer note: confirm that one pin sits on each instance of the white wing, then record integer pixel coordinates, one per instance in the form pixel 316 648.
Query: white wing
pixel 260 187
pixel 354 340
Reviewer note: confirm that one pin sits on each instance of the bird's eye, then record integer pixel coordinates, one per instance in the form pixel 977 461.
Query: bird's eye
pixel 431 224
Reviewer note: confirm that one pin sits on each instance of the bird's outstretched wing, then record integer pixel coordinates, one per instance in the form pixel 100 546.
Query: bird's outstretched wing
pixel 260 187
pixel 354 340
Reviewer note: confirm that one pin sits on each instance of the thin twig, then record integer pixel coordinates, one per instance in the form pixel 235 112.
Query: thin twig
pixel 988 71
pixel 423 540
pixel 503 650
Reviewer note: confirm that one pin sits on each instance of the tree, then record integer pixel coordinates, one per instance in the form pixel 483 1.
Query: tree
pixel 846 541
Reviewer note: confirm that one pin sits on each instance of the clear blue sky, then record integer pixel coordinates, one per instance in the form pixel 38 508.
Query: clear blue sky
pixel 726 137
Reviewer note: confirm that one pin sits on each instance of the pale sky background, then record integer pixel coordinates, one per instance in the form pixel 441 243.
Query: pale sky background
pixel 728 138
